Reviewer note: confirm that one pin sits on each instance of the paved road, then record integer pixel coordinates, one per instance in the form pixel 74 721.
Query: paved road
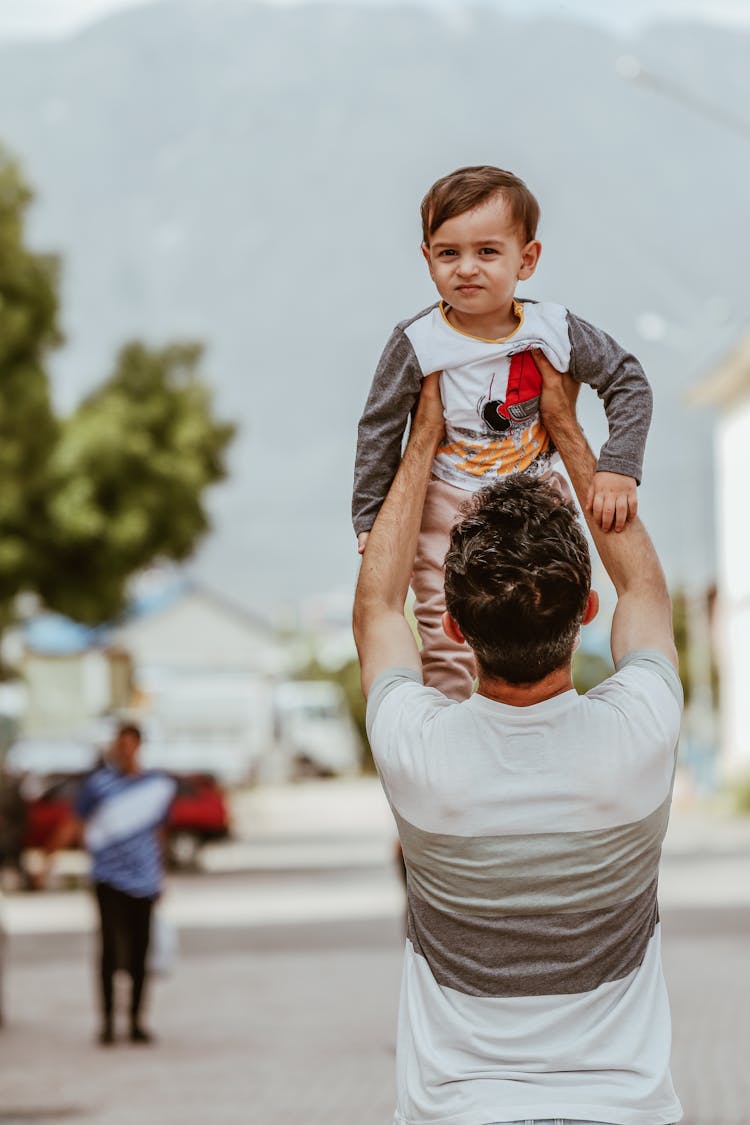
pixel 284 1014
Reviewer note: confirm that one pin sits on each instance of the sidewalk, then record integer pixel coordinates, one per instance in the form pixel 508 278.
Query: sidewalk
pixel 283 1005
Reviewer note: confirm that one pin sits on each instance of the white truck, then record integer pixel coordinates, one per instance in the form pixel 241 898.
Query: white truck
pixel 315 734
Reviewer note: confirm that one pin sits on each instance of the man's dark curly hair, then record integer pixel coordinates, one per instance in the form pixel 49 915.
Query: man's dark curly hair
pixel 517 577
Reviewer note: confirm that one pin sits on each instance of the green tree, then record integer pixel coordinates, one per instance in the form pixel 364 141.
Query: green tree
pixel 28 428
pixel 88 500
pixel 127 478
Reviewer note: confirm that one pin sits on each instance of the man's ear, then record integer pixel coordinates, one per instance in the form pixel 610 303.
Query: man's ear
pixel 592 607
pixel 451 629
pixel 529 258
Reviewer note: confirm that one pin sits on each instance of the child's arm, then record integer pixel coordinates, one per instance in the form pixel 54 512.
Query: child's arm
pixel 619 380
pixel 393 394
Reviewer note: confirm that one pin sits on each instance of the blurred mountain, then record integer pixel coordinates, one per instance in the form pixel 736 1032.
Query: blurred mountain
pixel 251 175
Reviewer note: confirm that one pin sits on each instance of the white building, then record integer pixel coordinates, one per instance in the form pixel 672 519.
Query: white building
pixel 728 389
pixel 203 672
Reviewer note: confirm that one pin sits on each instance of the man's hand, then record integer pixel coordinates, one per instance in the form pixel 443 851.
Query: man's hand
pixel 613 500
pixel 362 541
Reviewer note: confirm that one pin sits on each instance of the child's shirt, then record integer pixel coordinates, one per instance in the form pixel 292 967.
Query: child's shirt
pixel 491 393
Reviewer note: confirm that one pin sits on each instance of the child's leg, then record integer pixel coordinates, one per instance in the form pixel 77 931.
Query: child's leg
pixel 446 665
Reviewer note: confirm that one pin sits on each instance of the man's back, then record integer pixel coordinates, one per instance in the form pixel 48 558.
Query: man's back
pixel 532 838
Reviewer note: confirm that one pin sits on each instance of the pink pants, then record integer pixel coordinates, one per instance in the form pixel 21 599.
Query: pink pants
pixel 446 665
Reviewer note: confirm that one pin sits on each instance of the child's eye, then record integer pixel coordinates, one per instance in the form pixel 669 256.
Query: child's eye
pixel 487 250
pixel 446 253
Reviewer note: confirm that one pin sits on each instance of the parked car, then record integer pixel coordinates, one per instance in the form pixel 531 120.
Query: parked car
pixel 199 813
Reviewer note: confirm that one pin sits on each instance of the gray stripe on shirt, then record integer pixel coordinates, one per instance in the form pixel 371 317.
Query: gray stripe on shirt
pixel 533 955
pixel 535 873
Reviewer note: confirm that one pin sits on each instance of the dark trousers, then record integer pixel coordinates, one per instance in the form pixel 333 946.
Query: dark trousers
pixel 125 930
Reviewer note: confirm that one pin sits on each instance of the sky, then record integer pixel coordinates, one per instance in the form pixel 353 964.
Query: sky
pixel 20 19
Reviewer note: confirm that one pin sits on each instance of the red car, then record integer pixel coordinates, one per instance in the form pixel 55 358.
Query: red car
pixel 198 814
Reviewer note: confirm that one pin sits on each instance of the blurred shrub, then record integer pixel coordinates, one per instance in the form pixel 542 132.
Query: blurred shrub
pixel 740 792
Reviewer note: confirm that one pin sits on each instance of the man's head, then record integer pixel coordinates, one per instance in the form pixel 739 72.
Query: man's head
pixel 517 580
pixel 469 188
pixel 125 748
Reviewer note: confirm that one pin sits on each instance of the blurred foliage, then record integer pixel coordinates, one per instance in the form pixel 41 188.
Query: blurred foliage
pixel 90 499
pixel 740 792
pixel 589 669
pixel 127 478
pixel 28 428
pixel 681 620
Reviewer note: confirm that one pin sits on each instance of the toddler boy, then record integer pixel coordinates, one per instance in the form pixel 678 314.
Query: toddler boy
pixel 479 239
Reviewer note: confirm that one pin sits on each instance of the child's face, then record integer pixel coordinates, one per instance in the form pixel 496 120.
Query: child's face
pixel 475 260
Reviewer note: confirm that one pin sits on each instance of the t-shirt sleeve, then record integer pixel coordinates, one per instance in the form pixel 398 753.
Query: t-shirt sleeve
pixel 381 689
pixel 646 694
pixel 401 712
pixel 657 664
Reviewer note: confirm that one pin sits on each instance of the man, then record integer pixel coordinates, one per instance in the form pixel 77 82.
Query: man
pixel 120 812
pixel 531 819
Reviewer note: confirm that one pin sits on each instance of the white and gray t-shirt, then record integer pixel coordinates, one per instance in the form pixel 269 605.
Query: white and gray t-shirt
pixel 532 983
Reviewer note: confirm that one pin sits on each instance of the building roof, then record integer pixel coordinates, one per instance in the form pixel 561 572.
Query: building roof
pixel 51 634
pixel 728 383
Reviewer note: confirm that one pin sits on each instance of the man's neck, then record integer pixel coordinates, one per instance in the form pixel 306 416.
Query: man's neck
pixel 525 695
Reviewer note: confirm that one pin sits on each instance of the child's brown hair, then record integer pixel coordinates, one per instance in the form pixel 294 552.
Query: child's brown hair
pixel 467 188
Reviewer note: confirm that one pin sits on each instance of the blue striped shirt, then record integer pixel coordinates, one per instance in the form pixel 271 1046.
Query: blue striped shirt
pixel 122 813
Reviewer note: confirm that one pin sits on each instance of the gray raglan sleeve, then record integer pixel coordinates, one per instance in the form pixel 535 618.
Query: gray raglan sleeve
pixel 619 380
pixel 394 391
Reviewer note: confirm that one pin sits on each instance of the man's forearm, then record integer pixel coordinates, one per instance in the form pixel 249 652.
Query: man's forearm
pixel 643 616
pixel 381 632
pixel 628 556
pixel 577 455
pixel 389 557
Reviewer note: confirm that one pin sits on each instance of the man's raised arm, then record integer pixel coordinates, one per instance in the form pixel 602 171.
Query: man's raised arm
pixel 643 617
pixel 381 632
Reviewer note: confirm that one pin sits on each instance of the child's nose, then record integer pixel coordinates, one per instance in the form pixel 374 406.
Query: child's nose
pixel 467 264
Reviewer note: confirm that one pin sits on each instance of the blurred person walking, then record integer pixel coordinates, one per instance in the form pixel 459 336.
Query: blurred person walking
pixel 120 813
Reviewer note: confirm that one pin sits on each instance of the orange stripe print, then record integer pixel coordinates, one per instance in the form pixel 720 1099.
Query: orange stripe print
pixel 499 457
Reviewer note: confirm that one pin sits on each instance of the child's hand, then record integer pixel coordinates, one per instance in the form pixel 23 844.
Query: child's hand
pixel 362 541
pixel 613 500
